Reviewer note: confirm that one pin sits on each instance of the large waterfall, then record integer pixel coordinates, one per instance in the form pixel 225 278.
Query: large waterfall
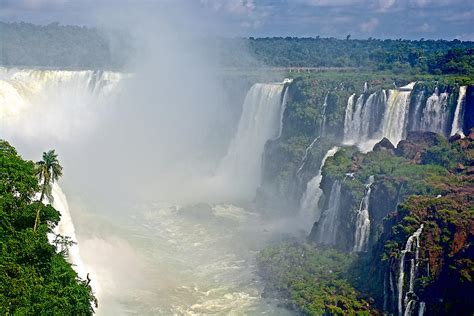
pixel 329 223
pixel 55 102
pixel 363 119
pixel 434 115
pixel 362 226
pixel 458 121
pixel 309 209
pixel 396 113
pixel 260 121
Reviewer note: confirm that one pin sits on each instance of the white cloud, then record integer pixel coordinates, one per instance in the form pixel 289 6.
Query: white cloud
pixel 330 3
pixel 425 27
pixel 369 26
pixel 245 7
pixel 385 5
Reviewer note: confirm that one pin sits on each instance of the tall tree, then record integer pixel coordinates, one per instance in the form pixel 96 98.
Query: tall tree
pixel 48 170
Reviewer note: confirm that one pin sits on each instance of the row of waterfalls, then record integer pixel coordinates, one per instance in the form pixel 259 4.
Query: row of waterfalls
pixel 368 118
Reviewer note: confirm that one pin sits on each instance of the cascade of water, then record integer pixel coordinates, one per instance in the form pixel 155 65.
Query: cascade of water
pixel 435 113
pixel 349 114
pixel 310 199
pixel 392 289
pixel 409 308
pixel 66 228
pixel 421 309
pixel 306 152
pixel 260 121
pixel 282 110
pixel 458 121
pixel 417 113
pixel 25 92
pixel 327 227
pixel 413 240
pixel 396 113
pixel 353 125
pixel 363 120
pixel 362 230
pixel 323 113
pixel 366 87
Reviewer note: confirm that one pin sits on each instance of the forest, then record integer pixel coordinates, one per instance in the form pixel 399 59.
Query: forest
pixel 35 276
pixel 54 45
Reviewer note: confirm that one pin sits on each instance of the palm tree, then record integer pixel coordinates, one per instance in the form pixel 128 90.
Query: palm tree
pixel 48 170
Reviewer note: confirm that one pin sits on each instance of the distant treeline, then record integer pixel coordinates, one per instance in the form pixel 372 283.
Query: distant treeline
pixel 54 45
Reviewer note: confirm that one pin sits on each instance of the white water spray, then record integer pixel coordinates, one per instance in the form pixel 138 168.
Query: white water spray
pixel 362 231
pixel 396 113
pixel 327 228
pixel 412 244
pixel 434 116
pixel 309 201
pixel 260 122
pixel 458 121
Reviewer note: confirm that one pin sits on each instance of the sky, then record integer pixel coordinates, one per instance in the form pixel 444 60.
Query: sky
pixel 411 19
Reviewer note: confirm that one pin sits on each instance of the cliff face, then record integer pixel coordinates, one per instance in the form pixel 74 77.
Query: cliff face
pixel 432 182
pixel 404 211
pixel 316 110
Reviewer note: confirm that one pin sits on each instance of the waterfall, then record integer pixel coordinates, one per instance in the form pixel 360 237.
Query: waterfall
pixel 26 93
pixel 421 309
pixel 415 119
pixel 363 120
pixel 327 226
pixel 305 156
pixel 354 120
pixel 348 118
pixel 412 244
pixel 260 121
pixel 66 228
pixel 362 231
pixel 322 132
pixel 458 121
pixel 435 113
pixel 310 199
pixel 396 113
pixel 283 107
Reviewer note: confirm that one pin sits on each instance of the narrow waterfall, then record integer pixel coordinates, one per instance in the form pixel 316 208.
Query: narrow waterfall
pixel 417 111
pixel 310 199
pixel 434 116
pixel 348 118
pixel 362 231
pixel 327 226
pixel 305 156
pixel 422 309
pixel 283 107
pixel 364 118
pixel 66 228
pixel 260 121
pixel 396 113
pixel 322 131
pixel 458 121
pixel 412 245
pixel 354 120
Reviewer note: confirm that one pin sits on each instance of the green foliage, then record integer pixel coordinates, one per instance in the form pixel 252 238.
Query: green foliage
pixel 34 278
pixel 314 281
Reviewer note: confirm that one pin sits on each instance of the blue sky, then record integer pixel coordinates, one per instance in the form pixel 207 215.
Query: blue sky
pixel 412 19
